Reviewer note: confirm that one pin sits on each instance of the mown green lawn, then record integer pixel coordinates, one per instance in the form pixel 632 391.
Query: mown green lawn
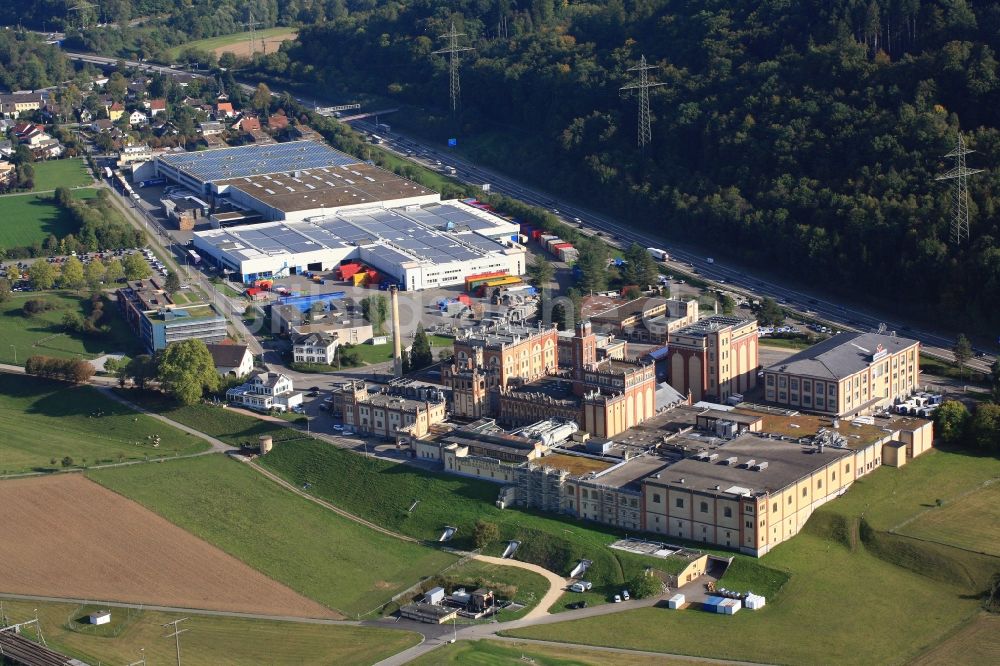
pixel 207 640
pixel 44 420
pixel 43 334
pixel 382 353
pixel 71 172
pixel 337 562
pixel 30 218
pixel 510 653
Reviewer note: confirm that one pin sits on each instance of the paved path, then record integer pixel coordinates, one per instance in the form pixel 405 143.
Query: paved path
pixel 557 584
pixel 175 609
pixel 217 445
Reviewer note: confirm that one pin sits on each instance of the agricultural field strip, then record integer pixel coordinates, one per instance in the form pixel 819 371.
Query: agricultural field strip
pixel 178 609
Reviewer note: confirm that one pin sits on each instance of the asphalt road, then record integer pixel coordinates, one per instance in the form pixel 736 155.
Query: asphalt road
pixel 735 278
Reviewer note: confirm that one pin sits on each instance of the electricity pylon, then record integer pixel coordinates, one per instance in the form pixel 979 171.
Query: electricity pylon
pixel 960 193
pixel 453 49
pixel 642 85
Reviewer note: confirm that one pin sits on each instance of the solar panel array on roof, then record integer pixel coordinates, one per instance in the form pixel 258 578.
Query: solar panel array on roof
pixel 242 161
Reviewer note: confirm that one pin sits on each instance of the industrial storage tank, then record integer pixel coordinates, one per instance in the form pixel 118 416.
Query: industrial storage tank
pixel 266 444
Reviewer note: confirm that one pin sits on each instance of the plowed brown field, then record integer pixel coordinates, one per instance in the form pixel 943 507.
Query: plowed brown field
pixel 65 536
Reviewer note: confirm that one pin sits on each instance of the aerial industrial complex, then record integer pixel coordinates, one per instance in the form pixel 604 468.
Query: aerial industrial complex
pixel 314 208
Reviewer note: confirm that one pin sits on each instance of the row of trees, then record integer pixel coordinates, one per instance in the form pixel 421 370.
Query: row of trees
pixel 807 136
pixel 73 274
pixel 979 430
pixel 65 369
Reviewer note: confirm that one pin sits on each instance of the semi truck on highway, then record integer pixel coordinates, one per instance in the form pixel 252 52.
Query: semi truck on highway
pixel 658 254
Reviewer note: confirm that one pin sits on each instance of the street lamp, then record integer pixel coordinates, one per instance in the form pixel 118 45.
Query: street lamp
pixel 15 353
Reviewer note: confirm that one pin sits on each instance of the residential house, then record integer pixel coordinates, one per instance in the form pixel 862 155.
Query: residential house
pixel 102 125
pixel 137 119
pixel 315 348
pixel 247 124
pixel 156 107
pixel 211 127
pixel 224 110
pixel 138 153
pixel 231 360
pixel 8 173
pixel 163 129
pixel 264 392
pixel 84 115
pixel 277 122
pixel 13 105
pixel 116 111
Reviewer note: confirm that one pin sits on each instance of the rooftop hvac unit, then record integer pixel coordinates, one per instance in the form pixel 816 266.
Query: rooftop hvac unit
pixel 750 463
pixel 731 461
pixel 760 466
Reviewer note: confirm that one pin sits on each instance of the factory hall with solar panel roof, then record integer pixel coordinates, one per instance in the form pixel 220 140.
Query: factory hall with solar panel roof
pixel 314 208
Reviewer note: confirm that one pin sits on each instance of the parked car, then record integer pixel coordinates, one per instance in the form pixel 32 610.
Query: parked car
pixel 617 599
pixel 625 595
pixel 581 586
pixel 338 428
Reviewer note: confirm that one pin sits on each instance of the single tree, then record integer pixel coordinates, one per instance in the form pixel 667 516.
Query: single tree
pixel 950 422
pixel 5 290
pixel 421 355
pixel 141 369
pixel 984 428
pixel 994 377
pixel 173 283
pixel 80 371
pixel 67 461
pixel 769 313
pixel 541 272
pixel 727 304
pixel 962 351
pixel 376 310
pixel 95 273
pixel 645 585
pixel 72 276
pixel 640 267
pixel 135 267
pixel 42 275
pixel 114 271
pixel 186 371
pixel 485 533
pixel 262 98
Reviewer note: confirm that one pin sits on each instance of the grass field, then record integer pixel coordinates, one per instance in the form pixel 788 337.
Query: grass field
pixel 238 43
pixel 66 536
pixel 208 641
pixel 382 492
pixel 29 219
pixel 854 580
pixel 61 173
pixel 43 333
pixel 971 522
pixel 785 343
pixel 974 644
pixel 328 558
pixel 42 420
pixel 382 353
pixel 504 653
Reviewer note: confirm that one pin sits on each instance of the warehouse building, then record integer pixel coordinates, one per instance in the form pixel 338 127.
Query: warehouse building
pixel 289 181
pixel 418 247
pixel 849 373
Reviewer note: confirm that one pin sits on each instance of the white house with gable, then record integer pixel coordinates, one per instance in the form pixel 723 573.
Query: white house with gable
pixel 264 392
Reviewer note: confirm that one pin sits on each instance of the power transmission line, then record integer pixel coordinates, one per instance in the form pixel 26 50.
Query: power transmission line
pixel 642 85
pixel 251 25
pixel 960 192
pixel 176 636
pixel 453 49
pixel 81 7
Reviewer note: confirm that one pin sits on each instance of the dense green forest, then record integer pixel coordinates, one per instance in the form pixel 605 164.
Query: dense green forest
pixel 28 63
pixel 805 136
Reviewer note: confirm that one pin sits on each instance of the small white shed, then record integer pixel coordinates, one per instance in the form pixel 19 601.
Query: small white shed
pixel 100 617
pixel 434 596
pixel 676 601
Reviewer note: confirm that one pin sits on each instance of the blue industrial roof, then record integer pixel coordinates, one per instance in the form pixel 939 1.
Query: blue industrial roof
pixel 242 161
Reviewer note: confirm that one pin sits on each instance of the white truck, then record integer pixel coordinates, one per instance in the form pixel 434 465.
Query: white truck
pixel 657 253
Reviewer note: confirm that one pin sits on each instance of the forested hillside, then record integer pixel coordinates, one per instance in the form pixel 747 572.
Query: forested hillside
pixel 802 136
pixel 28 63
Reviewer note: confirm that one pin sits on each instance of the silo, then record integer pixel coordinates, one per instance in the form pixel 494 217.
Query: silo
pixel 266 444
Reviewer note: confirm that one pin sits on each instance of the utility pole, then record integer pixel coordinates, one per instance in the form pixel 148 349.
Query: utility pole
pixel 453 49
pixel 960 193
pixel 176 636
pixel 643 86
pixel 251 25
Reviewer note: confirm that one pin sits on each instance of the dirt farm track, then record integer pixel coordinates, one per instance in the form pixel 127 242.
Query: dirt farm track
pixel 65 536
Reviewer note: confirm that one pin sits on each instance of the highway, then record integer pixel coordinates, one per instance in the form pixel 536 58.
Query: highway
pixel 683 259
